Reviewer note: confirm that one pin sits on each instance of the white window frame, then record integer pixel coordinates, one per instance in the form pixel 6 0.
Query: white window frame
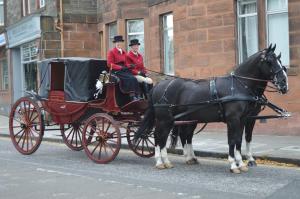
pixel 135 33
pixel 274 12
pixel 171 69
pixel 239 16
pixel 42 3
pixel 2 4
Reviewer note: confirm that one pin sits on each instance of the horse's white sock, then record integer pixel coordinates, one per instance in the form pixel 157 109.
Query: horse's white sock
pixel 249 152
pixel 238 158
pixel 189 152
pixel 158 156
pixel 164 155
pixel 232 162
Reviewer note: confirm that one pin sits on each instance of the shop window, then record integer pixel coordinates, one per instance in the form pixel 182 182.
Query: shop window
pixel 135 30
pixel 29 56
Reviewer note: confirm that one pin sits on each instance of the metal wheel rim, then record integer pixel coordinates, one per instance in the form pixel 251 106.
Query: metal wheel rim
pixel 26 126
pixel 101 138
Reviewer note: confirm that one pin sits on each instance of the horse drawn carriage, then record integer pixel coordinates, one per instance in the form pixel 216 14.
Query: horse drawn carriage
pixel 89 118
pixel 97 119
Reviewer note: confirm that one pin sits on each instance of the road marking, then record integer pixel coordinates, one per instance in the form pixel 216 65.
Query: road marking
pixel 291 148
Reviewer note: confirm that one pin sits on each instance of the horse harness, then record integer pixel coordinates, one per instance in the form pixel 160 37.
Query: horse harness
pixel 163 102
pixel 215 99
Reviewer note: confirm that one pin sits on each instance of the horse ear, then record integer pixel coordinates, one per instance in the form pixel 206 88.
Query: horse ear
pixel 273 49
pixel 279 56
pixel 269 48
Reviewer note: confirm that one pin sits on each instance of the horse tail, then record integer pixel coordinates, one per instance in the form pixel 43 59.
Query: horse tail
pixel 148 121
pixel 174 137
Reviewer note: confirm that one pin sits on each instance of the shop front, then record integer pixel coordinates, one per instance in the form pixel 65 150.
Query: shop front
pixel 23 43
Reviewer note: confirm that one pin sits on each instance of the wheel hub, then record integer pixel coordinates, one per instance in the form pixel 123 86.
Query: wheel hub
pixel 23 126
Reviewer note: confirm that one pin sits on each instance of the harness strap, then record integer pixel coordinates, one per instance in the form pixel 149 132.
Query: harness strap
pixel 163 98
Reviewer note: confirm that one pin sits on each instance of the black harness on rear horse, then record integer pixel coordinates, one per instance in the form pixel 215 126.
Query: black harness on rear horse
pixel 215 99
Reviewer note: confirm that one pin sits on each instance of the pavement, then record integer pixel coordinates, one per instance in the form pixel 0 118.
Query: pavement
pixel 283 149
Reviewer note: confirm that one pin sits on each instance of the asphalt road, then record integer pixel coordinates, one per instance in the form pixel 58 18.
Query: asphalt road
pixel 54 171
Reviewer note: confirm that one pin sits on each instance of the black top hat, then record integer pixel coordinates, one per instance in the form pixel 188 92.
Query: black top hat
pixel 134 42
pixel 118 38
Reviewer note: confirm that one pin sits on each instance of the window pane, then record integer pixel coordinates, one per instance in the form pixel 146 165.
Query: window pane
pixel 1 14
pixel 247 7
pixel 4 75
pixel 168 21
pixel 30 70
pixel 277 5
pixel 112 31
pixel 135 26
pixel 248 41
pixel 136 31
pixel 168 44
pixel 280 36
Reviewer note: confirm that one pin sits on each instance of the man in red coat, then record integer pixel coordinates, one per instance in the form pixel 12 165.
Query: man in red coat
pixel 134 61
pixel 116 63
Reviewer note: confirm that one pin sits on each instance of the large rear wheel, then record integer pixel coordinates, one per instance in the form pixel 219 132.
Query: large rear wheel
pixel 26 125
pixel 101 138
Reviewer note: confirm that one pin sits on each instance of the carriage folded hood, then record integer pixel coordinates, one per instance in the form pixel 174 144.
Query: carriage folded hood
pixel 79 79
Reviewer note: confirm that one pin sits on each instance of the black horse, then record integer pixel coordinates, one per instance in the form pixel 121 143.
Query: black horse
pixel 230 99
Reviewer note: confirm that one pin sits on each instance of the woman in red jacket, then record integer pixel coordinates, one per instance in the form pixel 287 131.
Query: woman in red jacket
pixel 116 63
pixel 134 61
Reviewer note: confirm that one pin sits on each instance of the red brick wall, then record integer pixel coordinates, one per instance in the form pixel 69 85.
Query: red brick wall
pixel 81 39
pixel 204 37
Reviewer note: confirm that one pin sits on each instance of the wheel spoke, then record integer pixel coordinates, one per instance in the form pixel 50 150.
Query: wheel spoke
pixel 70 133
pixel 21 137
pixel 143 147
pixel 19 132
pixel 24 139
pixel 137 144
pixel 148 148
pixel 150 141
pixel 100 151
pixel 110 148
pixel 96 148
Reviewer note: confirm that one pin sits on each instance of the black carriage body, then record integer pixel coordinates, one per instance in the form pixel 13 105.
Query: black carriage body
pixel 75 76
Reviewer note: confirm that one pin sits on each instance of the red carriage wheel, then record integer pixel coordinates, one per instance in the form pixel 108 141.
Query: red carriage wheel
pixel 26 125
pixel 101 138
pixel 72 135
pixel 144 146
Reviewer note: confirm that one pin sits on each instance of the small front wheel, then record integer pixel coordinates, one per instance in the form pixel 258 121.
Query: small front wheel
pixel 72 135
pixel 143 146
pixel 26 125
pixel 101 138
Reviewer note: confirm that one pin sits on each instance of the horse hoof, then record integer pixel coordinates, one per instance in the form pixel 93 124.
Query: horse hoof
pixel 244 168
pixel 192 161
pixel 235 171
pixel 160 166
pixel 252 164
pixel 168 165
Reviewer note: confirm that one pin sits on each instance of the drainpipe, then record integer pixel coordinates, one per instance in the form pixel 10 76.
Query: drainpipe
pixel 61 28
